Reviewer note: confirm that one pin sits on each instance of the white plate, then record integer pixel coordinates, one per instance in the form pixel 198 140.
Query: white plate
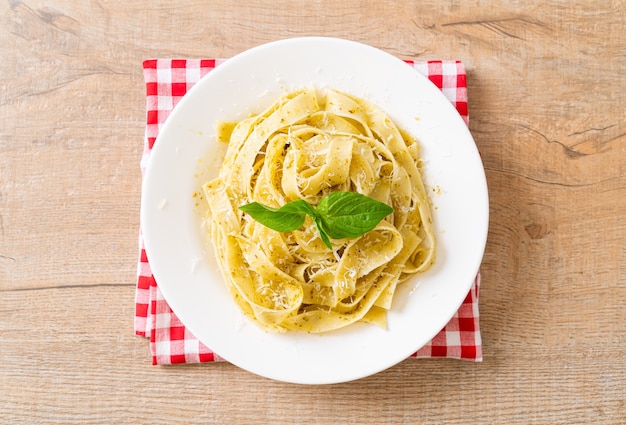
pixel 186 154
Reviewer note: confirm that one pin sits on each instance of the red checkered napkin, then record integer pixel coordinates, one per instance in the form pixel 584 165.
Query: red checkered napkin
pixel 167 81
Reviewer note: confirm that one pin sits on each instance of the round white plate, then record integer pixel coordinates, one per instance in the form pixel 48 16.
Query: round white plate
pixel 186 154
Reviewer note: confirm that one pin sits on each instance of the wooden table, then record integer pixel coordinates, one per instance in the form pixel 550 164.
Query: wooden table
pixel 547 84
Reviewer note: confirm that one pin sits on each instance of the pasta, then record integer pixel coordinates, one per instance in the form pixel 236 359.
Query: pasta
pixel 303 147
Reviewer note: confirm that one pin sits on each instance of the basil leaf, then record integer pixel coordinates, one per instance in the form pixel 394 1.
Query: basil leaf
pixel 350 214
pixel 322 231
pixel 287 218
pixel 338 215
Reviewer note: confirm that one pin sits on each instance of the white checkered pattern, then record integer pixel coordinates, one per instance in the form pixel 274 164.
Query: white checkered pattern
pixel 167 80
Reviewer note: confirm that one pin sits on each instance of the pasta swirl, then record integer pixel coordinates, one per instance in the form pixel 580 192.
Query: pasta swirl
pixel 304 147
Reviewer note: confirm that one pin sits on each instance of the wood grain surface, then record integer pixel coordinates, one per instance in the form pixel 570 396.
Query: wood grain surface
pixel 547 82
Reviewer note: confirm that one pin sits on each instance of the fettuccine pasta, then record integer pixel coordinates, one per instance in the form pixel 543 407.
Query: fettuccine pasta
pixel 303 147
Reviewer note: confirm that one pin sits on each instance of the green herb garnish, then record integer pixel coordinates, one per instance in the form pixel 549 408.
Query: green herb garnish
pixel 338 215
